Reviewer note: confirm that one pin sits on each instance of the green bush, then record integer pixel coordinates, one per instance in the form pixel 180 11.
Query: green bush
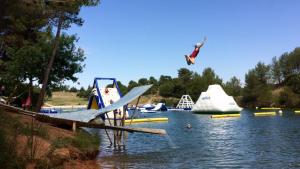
pixel 288 98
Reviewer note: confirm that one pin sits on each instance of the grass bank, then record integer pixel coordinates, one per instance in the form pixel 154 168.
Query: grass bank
pixel 26 143
pixel 66 98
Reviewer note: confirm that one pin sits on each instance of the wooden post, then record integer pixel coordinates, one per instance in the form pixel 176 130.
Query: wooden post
pixel 31 139
pixel 115 132
pixel 134 110
pixel 123 123
pixel 74 126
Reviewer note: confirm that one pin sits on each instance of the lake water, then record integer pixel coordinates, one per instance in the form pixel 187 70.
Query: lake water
pixel 245 142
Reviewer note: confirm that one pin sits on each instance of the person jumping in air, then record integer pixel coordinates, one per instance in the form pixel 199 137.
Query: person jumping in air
pixel 190 59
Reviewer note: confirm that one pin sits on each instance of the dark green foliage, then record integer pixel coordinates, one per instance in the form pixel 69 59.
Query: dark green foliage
pixel 27 42
pixel 132 84
pixel 185 75
pixel 73 89
pixel 154 88
pixel 209 77
pixel 164 79
pixel 28 63
pixel 166 89
pixel 122 87
pixel 276 71
pixel 257 90
pixel 68 61
pixel 143 81
pixel 233 87
pixel 283 73
pixel 84 93
pixel 287 98
pixel 294 83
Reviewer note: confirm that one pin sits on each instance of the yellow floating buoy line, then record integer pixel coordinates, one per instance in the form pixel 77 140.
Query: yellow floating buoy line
pixel 225 115
pixel 265 114
pixel 270 108
pixel 162 119
pixel 297 111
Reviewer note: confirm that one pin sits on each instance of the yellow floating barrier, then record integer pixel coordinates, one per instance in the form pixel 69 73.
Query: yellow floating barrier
pixel 265 114
pixel 225 115
pixel 162 119
pixel 270 108
pixel 297 112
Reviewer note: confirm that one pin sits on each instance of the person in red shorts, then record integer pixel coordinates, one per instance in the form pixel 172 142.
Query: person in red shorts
pixel 190 59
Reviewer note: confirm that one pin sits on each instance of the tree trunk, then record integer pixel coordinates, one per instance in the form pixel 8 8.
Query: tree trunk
pixel 10 97
pixel 40 100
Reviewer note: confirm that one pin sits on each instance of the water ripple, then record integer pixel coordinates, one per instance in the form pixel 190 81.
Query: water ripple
pixel 246 142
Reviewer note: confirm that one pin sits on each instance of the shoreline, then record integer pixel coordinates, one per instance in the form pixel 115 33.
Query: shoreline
pixel 44 145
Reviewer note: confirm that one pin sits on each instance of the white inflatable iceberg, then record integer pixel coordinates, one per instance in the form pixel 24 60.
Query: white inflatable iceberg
pixel 215 100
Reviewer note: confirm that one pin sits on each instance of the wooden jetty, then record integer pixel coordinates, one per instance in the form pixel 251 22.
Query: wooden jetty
pixel 76 124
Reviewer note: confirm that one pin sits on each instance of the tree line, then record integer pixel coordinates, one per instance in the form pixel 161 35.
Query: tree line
pixel 274 84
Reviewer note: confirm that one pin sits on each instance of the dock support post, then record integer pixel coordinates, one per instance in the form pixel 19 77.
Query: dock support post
pixel 115 132
pixel 137 103
pixel 74 126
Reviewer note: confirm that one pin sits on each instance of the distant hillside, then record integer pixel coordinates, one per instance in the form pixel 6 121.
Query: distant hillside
pixel 65 98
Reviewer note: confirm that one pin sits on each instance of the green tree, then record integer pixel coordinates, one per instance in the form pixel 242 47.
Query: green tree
pixel 85 93
pixel 209 77
pixel 287 98
pixel 20 27
pixel 73 89
pixel 123 88
pixel 185 75
pixel 233 87
pixel 166 89
pixel 276 71
pixel 28 62
pixel 257 91
pixel 143 81
pixel 262 72
pixel 68 61
pixel 63 16
pixel 179 87
pixel 163 79
pixel 132 84
pixel 197 86
pixel 154 82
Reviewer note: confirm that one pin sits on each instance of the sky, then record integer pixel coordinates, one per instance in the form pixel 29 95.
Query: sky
pixel 133 39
